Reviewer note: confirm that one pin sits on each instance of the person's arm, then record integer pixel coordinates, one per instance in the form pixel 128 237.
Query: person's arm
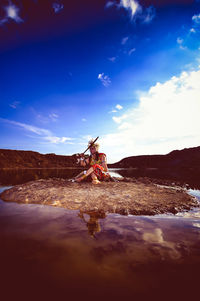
pixel 83 161
pixel 104 163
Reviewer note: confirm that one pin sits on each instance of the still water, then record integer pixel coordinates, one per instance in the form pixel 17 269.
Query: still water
pixel 49 253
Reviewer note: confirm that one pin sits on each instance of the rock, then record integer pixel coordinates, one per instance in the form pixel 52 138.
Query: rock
pixel 124 197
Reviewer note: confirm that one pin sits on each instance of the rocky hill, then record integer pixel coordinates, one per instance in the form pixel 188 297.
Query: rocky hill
pixel 30 159
pixel 186 158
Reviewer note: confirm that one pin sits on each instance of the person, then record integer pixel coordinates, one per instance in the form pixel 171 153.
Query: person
pixel 98 170
pixel 92 223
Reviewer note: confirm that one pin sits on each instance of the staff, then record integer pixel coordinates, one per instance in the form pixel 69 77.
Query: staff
pixel 91 145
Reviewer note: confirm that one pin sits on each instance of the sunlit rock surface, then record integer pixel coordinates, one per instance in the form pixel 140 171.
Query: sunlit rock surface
pixel 124 197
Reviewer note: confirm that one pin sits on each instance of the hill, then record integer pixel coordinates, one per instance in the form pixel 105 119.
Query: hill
pixel 30 159
pixel 188 158
pixel 184 159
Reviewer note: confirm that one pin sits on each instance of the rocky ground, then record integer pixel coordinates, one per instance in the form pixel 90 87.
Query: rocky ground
pixel 127 196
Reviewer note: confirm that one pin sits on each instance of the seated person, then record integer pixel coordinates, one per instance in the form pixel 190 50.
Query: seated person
pixel 97 161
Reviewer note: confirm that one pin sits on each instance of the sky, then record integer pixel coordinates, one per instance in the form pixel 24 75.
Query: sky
pixel 127 71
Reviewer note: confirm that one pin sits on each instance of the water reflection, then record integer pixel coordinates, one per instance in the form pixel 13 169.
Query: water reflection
pixel 184 176
pixel 49 251
pixel 92 223
pixel 20 176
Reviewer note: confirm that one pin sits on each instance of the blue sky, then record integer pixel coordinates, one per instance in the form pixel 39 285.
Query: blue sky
pixel 125 70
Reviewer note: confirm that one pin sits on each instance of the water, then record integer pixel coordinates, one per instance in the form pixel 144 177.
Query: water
pixel 54 253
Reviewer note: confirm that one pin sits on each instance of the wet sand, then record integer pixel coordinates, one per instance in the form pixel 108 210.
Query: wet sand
pixel 127 196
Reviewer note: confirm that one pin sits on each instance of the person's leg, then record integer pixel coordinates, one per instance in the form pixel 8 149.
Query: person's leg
pixel 79 175
pixel 84 175
pixel 94 179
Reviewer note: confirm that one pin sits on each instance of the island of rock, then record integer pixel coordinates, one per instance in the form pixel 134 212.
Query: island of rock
pixel 127 196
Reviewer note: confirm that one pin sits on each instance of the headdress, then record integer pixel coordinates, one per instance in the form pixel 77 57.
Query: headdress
pixel 91 143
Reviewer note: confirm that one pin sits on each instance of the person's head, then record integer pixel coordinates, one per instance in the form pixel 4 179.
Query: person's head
pixel 93 147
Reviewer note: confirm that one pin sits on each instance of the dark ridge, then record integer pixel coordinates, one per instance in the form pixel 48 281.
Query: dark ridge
pixel 186 158
pixel 29 159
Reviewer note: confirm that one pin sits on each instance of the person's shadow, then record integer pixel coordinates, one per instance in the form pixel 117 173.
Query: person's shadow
pixel 92 223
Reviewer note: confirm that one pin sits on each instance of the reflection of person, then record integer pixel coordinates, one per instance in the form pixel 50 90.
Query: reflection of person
pixel 97 161
pixel 93 224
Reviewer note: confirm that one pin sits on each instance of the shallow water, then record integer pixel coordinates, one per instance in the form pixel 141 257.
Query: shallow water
pixel 56 253
pixel 53 253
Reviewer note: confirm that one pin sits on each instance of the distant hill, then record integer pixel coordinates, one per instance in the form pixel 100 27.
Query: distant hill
pixel 177 159
pixel 30 159
pixel 188 158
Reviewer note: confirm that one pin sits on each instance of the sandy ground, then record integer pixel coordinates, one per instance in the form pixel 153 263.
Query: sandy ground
pixel 127 196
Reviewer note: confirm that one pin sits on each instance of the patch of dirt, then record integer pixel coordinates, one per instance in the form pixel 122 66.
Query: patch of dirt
pixel 127 196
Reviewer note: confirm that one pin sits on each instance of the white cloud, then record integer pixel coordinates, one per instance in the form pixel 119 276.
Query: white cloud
pixel 135 10
pixel 14 104
pixel 166 118
pixel 83 119
pixel 53 116
pixel 106 81
pixel 119 107
pixel 179 41
pixel 57 7
pixel 196 225
pixel 124 40
pixel 131 51
pixel 112 59
pixel 196 19
pixel 86 138
pixel 120 118
pixel 43 133
pixel 56 140
pixel 28 127
pixel 11 12
pixel 131 5
pixel 192 30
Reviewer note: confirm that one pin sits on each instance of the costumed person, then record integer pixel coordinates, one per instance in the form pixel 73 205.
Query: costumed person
pixel 92 223
pixel 98 170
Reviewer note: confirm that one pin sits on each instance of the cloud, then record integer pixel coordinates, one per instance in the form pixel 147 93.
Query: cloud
pixel 83 119
pixel 149 14
pixel 165 118
pixel 162 246
pixel 124 40
pixel 57 7
pixel 56 140
pixel 119 119
pixel 109 4
pixel 192 30
pixel 14 104
pixel 119 107
pixel 131 51
pixel 112 59
pixel 53 116
pixel 131 5
pixel 180 42
pixel 43 133
pixel 11 12
pixel 106 81
pixel 134 9
pixel 28 127
pixel 196 19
